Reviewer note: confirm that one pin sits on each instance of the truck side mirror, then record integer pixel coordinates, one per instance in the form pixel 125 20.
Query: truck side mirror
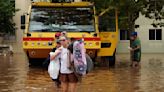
pixel 23 21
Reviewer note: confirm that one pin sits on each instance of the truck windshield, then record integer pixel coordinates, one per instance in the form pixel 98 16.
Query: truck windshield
pixel 61 19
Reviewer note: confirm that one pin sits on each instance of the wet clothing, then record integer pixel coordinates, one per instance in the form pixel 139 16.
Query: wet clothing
pixel 66 74
pixel 71 78
pixel 136 54
pixel 65 61
pixel 70 47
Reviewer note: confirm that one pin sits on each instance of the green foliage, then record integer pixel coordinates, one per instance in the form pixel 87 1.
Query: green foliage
pixel 154 9
pixel 107 21
pixel 7 11
pixel 129 10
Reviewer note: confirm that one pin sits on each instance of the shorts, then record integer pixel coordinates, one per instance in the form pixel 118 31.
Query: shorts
pixel 136 57
pixel 68 78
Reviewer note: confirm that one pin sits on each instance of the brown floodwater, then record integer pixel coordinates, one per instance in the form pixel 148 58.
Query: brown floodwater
pixel 17 76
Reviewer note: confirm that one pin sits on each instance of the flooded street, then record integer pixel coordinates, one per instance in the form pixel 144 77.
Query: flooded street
pixel 17 76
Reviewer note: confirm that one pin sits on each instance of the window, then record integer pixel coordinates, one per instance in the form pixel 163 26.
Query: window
pixel 155 34
pixel 158 34
pixel 152 34
pixel 107 22
pixel 124 35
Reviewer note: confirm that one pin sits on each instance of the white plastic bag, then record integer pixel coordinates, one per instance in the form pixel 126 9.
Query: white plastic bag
pixel 53 68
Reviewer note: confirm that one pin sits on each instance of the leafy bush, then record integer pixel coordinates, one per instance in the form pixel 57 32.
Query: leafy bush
pixel 7 11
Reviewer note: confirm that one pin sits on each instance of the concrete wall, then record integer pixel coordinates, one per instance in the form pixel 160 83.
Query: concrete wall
pixel 148 46
pixel 23 6
pixel 122 46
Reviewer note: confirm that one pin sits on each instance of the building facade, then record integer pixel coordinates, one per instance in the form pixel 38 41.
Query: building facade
pixel 23 6
pixel 152 40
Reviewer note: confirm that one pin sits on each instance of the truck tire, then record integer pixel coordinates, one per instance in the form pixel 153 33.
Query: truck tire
pixel 30 60
pixel 90 65
pixel 112 60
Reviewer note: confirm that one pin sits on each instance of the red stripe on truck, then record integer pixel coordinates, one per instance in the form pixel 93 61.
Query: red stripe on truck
pixel 38 39
pixel 52 39
pixel 89 39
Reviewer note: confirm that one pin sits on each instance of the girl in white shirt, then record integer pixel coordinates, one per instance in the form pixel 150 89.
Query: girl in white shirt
pixel 67 76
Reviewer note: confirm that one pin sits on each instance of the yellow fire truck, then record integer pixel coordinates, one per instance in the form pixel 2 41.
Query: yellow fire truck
pixel 44 19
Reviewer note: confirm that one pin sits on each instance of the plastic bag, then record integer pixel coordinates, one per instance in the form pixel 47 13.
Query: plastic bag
pixel 53 68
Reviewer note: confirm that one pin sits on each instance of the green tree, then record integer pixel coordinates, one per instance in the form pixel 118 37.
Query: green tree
pixel 129 10
pixel 7 11
pixel 154 9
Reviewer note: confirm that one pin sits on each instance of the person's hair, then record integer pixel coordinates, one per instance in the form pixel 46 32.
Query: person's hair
pixel 72 39
pixel 58 42
pixel 64 37
pixel 64 33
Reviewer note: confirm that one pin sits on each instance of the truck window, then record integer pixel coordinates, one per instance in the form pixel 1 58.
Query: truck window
pixel 61 19
pixel 107 22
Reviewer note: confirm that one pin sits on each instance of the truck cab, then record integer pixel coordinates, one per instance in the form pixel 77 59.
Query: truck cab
pixel 45 19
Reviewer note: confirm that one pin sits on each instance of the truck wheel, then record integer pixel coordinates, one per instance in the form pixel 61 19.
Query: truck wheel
pixel 30 60
pixel 92 54
pixel 112 60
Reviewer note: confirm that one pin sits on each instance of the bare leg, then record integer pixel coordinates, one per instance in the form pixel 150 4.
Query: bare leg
pixel 138 65
pixel 134 64
pixel 64 87
pixel 131 64
pixel 72 87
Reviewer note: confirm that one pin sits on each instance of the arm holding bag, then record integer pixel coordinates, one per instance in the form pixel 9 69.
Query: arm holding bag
pixel 53 68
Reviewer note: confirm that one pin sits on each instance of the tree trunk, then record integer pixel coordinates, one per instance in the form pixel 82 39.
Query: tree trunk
pixel 131 24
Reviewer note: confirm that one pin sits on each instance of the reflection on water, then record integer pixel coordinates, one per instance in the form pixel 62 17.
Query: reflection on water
pixel 16 76
pixel 13 73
